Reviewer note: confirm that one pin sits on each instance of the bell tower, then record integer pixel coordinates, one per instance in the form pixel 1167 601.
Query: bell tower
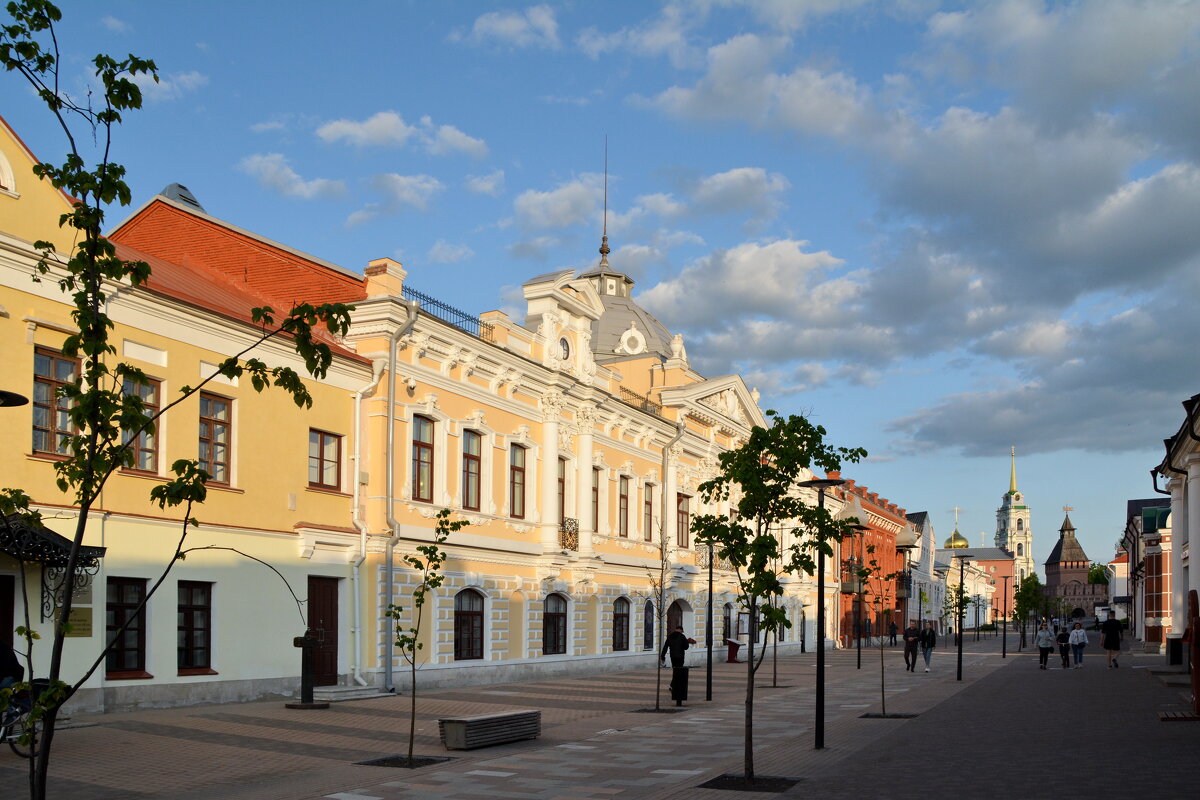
pixel 1013 532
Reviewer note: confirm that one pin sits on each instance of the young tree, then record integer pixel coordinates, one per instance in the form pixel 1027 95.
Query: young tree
pixel 874 581
pixel 659 577
pixel 769 530
pixel 1028 600
pixel 427 561
pixel 1098 573
pixel 105 409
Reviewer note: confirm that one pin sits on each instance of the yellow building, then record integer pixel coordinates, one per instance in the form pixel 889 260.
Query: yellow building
pixel 573 440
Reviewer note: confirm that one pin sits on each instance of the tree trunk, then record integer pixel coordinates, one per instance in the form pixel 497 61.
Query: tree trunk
pixel 412 706
pixel 883 679
pixel 749 756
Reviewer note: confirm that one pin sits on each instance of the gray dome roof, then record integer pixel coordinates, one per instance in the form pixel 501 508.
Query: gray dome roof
pixel 620 311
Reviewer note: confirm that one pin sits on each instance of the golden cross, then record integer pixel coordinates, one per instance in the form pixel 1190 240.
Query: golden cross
pixel 1068 509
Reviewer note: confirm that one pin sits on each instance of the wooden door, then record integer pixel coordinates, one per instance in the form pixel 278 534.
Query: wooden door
pixel 323 622
pixel 8 594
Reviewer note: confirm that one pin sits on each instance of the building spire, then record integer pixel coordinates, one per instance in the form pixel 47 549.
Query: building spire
pixel 604 251
pixel 1012 478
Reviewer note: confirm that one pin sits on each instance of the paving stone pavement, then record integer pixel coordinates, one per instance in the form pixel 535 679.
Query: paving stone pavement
pixel 1047 733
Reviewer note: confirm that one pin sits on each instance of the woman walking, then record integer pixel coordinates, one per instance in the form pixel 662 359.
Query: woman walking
pixel 928 641
pixel 1079 640
pixel 1045 643
pixel 1064 646
pixel 1110 631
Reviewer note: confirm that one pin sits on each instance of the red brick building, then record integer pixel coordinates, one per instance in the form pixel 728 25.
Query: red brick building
pixel 878 601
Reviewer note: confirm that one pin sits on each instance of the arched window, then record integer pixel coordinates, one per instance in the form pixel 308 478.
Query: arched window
pixel 1020 524
pixel 1020 549
pixel 727 623
pixel 648 626
pixel 621 624
pixel 554 626
pixel 468 625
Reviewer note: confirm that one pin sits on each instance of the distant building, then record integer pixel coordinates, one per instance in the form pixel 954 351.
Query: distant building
pixel 928 586
pixel 1067 588
pixel 1014 533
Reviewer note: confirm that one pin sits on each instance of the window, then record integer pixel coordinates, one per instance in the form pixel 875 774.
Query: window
pixel 648 625
pixel 1020 524
pixel 215 436
pixel 1020 549
pixel 128 655
pixel 51 423
pixel 516 481
pixel 422 460
pixel 727 623
pixel 648 513
pixel 595 499
pixel 623 507
pixel 554 626
pixel 468 625
pixel 621 624
pixel 562 491
pixel 682 519
pixel 324 460
pixel 194 638
pixel 144 447
pixel 472 449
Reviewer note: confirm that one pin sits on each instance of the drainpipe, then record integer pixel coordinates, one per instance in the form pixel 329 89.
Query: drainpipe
pixel 389 472
pixel 356 519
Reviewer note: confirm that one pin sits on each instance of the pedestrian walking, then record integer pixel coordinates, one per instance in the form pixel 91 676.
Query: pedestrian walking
pixel 1064 646
pixel 1110 632
pixel 1079 640
pixel 675 644
pixel 928 641
pixel 892 632
pixel 1044 640
pixel 912 635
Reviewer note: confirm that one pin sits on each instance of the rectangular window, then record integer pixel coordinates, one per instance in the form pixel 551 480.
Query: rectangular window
pixel 128 655
pixel 623 507
pixel 682 519
pixel 648 513
pixel 595 499
pixel 516 480
pixel 51 423
pixel 194 639
pixel 472 464
pixel 562 491
pixel 324 460
pixel 422 460
pixel 216 436
pixel 144 447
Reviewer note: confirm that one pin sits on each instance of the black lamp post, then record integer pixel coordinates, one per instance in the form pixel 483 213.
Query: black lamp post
pixel 859 530
pixel 708 626
pixel 1004 641
pixel 959 602
pixel 820 484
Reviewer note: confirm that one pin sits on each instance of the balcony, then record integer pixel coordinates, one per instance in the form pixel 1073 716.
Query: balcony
pixel 568 534
pixel 852 581
pixel 448 313
pixel 717 561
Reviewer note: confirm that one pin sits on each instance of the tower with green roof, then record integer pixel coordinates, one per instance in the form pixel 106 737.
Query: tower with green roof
pixel 1013 531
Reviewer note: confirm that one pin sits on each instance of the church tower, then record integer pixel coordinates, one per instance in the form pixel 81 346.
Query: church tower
pixel 1012 527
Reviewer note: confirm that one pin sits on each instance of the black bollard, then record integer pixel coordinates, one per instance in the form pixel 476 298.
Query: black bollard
pixel 308 669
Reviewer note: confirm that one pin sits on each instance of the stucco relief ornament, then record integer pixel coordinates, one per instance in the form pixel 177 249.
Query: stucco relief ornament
pixel 586 417
pixel 552 405
pixel 419 341
pixel 632 341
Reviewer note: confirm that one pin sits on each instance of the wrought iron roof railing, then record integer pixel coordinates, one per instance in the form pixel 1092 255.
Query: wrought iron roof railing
pixel 640 401
pixel 448 313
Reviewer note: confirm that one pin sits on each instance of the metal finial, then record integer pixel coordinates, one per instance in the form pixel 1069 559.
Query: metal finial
pixel 604 251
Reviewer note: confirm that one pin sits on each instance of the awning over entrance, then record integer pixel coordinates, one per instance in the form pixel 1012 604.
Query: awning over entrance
pixel 40 545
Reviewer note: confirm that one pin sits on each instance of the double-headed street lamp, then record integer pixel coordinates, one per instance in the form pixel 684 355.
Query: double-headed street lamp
pixel 1004 641
pixel 820 484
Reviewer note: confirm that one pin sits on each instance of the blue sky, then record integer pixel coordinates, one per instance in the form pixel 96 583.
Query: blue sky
pixel 941 229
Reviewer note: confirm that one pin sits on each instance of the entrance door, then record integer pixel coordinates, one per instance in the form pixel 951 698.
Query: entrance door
pixel 8 594
pixel 674 616
pixel 323 622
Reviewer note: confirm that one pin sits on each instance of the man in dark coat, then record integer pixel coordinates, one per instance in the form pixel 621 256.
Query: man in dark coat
pixel 676 644
pixel 11 670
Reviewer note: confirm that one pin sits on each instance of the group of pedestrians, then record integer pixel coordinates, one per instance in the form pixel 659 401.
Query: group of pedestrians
pixel 1071 644
pixel 915 638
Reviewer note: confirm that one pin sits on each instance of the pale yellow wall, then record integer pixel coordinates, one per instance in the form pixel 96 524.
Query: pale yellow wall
pixel 30 207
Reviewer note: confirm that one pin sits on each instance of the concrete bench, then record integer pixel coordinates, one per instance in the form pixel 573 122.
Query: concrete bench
pixel 484 730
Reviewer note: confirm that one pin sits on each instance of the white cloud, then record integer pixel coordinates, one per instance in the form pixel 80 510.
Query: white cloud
pixel 490 184
pixel 408 190
pixel 113 24
pixel 272 171
pixel 536 249
pixel 662 204
pixel 666 35
pixel 569 204
pixel 444 252
pixel 385 128
pixel 443 140
pixel 264 127
pixel 170 86
pixel 533 27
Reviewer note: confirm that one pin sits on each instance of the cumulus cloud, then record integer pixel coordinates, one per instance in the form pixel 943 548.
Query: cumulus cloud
pixel 170 86
pixel 388 129
pixel 113 24
pixel 491 184
pixel 666 35
pixel 536 249
pixel 568 204
pixel 408 190
pixel 444 252
pixel 272 171
pixel 536 26
pixel 744 189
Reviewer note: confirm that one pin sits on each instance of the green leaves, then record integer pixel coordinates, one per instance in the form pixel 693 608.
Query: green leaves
pixel 428 561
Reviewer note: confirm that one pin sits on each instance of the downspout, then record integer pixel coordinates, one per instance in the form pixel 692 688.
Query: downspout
pixel 390 476
pixel 356 519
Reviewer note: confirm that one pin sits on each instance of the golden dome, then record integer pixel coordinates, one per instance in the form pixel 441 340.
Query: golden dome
pixel 956 541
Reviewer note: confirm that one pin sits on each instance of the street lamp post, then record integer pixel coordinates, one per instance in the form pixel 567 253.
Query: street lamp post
pixel 1004 641
pixel 858 587
pixel 958 608
pixel 708 626
pixel 820 484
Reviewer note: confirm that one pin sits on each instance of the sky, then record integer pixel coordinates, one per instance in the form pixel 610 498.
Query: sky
pixel 941 230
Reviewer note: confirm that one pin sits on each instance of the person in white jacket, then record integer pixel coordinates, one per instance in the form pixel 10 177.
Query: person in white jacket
pixel 1079 640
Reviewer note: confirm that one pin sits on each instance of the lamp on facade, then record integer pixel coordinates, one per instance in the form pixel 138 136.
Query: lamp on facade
pixel 10 399
pixel 820 484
